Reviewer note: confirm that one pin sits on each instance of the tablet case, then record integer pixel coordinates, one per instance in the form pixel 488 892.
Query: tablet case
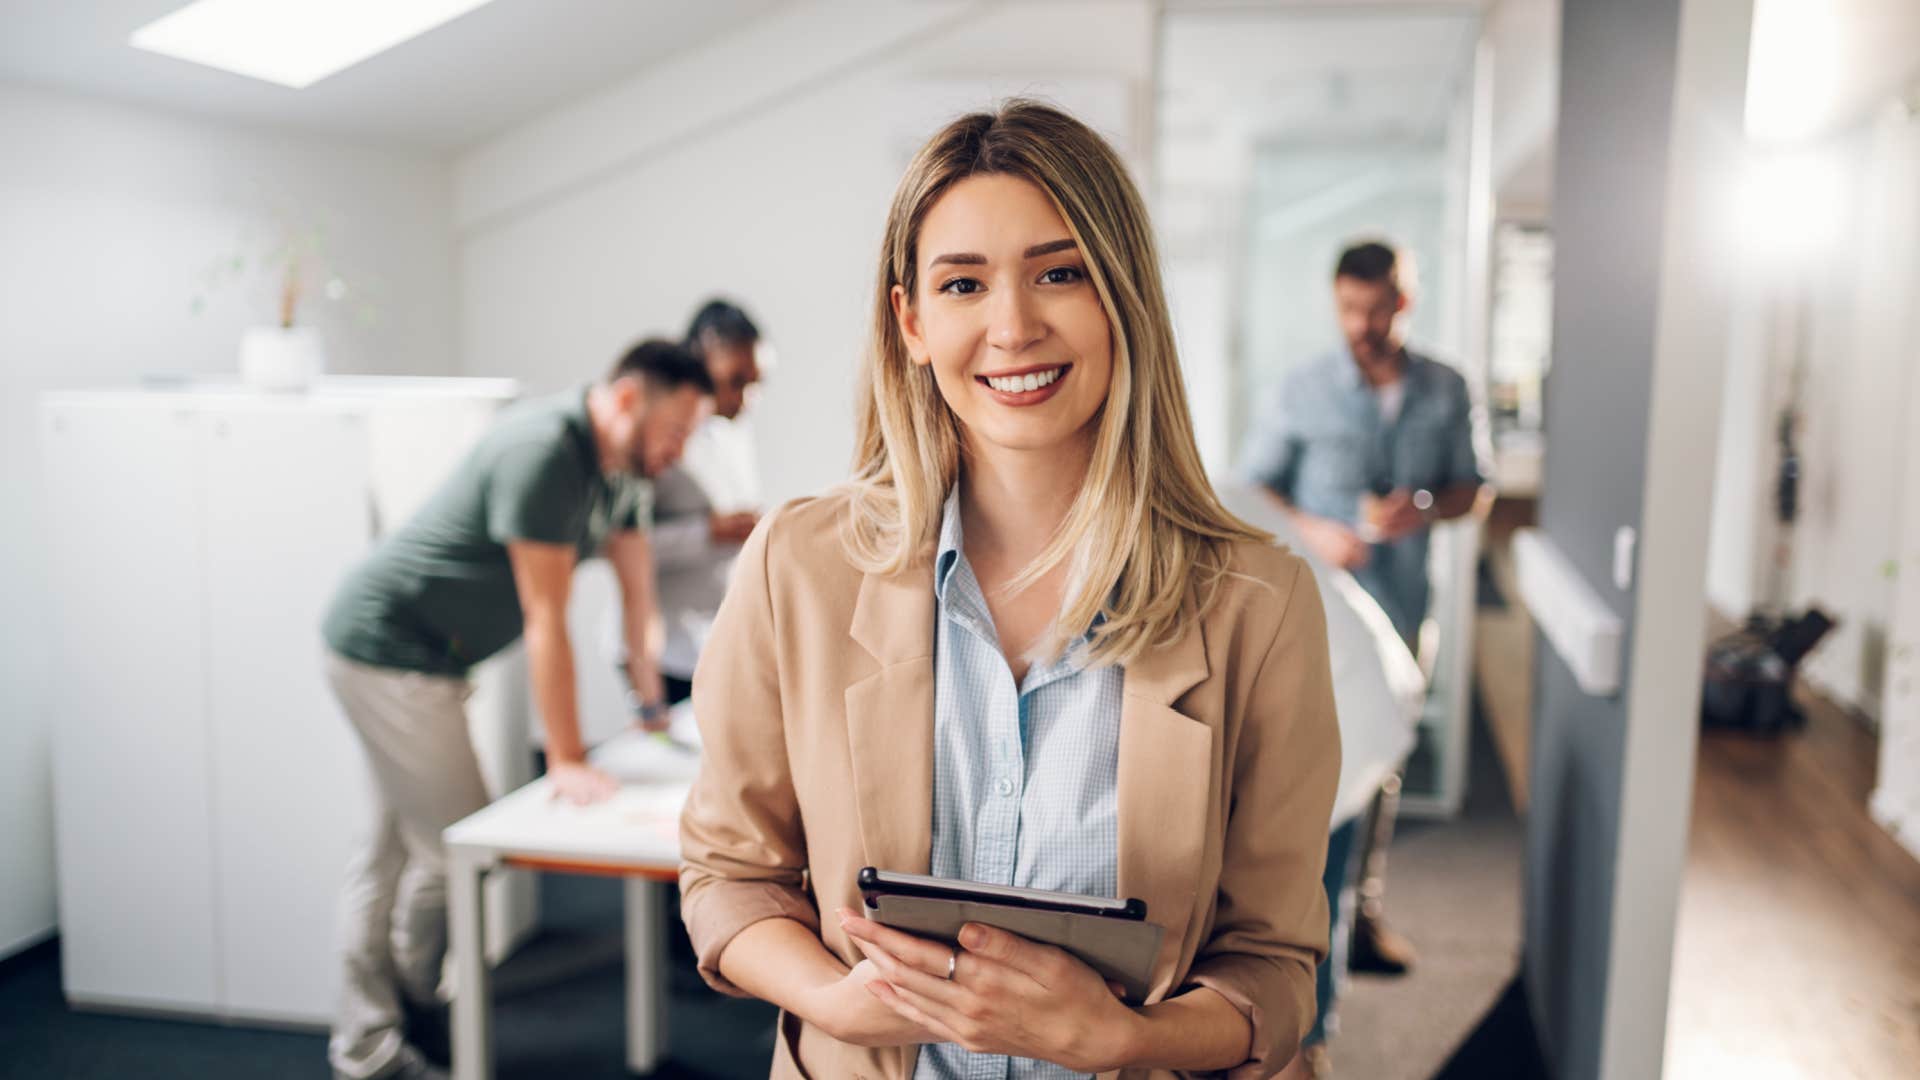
pixel 1120 949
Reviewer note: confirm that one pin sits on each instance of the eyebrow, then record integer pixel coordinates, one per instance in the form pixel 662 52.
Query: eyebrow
pixel 968 258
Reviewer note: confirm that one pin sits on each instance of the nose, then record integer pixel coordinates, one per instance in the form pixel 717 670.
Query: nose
pixel 1015 322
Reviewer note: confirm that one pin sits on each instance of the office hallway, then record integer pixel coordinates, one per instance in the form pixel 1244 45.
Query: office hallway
pixel 1798 950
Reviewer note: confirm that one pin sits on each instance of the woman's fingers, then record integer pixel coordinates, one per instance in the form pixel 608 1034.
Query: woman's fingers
pixel 1043 964
pixel 894 1000
pixel 991 1005
pixel 904 975
pixel 965 1022
pixel 927 956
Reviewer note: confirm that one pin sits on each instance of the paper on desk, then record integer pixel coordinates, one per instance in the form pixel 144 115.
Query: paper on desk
pixel 635 757
pixel 652 809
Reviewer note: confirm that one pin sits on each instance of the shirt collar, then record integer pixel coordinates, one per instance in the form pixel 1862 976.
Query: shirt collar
pixel 1349 368
pixel 947 555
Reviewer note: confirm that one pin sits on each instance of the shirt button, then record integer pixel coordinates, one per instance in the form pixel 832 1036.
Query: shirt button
pixel 1004 787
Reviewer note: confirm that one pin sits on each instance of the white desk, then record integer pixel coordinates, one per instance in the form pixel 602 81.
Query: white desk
pixel 635 836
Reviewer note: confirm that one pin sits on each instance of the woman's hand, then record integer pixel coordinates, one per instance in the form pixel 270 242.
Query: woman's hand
pixel 845 1010
pixel 1008 995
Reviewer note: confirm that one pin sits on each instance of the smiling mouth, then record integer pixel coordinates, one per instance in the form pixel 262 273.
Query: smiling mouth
pixel 1019 384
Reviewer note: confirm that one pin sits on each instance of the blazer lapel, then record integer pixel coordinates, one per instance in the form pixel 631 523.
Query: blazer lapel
pixel 1165 785
pixel 890 720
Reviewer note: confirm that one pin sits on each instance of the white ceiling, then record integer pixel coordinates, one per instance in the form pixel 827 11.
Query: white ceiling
pixel 445 89
pixel 1314 74
pixel 1235 78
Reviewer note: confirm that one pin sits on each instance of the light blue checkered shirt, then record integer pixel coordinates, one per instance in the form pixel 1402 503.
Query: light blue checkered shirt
pixel 1321 441
pixel 1025 781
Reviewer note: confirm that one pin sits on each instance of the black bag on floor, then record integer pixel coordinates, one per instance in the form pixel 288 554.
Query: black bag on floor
pixel 1749 675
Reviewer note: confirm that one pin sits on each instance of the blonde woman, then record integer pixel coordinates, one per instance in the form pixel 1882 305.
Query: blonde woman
pixel 1026 646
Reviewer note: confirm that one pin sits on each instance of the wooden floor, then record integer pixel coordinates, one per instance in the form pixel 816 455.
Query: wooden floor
pixel 1798 951
pixel 1503 652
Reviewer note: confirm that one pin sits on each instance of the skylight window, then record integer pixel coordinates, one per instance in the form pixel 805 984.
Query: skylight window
pixel 294 43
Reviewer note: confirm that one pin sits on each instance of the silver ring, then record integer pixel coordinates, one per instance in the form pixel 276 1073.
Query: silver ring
pixel 953 963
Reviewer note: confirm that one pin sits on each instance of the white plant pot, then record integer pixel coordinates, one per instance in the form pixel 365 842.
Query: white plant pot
pixel 281 358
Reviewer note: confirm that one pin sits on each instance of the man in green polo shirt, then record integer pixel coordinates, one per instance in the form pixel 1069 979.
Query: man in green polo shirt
pixel 488 559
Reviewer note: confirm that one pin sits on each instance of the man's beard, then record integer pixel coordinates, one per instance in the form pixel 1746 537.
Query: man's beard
pixel 1372 350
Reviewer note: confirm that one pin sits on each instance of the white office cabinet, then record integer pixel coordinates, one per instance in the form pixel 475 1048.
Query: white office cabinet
pixel 208 790
pixel 285 495
pixel 131 749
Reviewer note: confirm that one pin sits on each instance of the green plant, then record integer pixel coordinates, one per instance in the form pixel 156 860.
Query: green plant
pixel 290 258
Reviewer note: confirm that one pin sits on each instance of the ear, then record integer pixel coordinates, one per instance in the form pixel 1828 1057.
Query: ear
pixel 908 319
pixel 630 394
pixel 1400 301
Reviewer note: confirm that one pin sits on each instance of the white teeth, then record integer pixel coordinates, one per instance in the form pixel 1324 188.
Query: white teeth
pixel 1016 384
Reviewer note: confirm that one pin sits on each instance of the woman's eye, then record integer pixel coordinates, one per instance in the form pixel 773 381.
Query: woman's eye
pixel 962 286
pixel 1063 275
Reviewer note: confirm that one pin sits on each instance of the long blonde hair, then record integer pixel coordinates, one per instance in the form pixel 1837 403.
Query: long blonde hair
pixel 1146 539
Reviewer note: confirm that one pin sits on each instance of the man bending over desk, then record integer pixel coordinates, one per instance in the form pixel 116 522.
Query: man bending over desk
pixel 490 556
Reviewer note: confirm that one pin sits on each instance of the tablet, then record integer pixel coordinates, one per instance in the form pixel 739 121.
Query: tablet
pixel 1111 936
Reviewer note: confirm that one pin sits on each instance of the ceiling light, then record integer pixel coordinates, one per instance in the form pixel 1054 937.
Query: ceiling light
pixel 295 43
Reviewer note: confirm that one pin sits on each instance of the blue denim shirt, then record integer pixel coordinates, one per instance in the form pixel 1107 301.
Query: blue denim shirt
pixel 1025 780
pixel 1321 442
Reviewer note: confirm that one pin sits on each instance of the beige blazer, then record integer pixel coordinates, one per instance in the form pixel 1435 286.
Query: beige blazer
pixel 815 700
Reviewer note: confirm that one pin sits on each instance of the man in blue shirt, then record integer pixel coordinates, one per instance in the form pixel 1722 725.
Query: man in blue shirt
pixel 1365 447
pixel 1368 445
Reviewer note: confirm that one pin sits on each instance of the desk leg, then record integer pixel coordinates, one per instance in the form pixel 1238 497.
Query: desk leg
pixel 466 932
pixel 646 974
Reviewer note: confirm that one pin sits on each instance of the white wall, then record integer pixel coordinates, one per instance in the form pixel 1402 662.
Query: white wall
pixel 1742 539
pixel 1860 356
pixel 1523 37
pixel 759 166
pixel 1843 312
pixel 111 215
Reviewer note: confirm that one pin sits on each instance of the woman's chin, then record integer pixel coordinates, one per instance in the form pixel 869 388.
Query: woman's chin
pixel 1029 438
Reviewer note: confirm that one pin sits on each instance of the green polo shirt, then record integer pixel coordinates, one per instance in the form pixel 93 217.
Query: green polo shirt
pixel 437 595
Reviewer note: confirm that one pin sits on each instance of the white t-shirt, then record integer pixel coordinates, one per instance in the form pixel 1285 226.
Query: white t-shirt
pixel 1391 395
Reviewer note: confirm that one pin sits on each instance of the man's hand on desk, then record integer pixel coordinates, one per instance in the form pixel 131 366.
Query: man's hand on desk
pixel 578 783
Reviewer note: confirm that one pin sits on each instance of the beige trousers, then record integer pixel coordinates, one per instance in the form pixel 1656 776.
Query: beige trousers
pixel 393 916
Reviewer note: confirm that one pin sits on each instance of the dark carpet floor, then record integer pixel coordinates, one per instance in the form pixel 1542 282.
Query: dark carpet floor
pixel 1454 888
pixel 560 1011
